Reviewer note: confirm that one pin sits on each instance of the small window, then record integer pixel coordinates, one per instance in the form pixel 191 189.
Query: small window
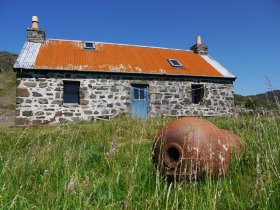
pixel 71 92
pixel 89 45
pixel 175 63
pixel 197 93
pixel 139 92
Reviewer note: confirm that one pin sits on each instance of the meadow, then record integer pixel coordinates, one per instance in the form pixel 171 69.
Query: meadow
pixel 107 165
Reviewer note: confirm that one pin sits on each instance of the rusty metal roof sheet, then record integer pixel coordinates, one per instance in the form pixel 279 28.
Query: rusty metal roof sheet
pixel 108 57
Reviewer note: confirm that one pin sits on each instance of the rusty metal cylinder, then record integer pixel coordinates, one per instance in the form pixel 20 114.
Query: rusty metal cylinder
pixel 191 147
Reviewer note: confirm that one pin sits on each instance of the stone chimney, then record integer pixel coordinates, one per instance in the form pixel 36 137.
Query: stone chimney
pixel 35 34
pixel 198 48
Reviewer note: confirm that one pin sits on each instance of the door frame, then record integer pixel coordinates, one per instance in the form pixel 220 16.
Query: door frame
pixel 146 97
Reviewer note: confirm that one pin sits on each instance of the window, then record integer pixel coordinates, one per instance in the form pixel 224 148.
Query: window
pixel 175 63
pixel 197 93
pixel 139 92
pixel 89 45
pixel 71 92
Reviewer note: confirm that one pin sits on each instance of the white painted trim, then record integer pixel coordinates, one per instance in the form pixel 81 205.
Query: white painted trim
pixel 217 66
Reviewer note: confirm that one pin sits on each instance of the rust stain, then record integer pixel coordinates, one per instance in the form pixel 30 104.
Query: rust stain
pixel 59 54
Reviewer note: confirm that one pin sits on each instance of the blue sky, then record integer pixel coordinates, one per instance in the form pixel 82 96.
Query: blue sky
pixel 243 35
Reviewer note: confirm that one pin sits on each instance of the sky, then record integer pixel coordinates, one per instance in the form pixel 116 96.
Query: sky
pixel 242 35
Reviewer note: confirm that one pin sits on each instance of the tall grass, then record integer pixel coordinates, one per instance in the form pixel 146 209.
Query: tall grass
pixel 107 165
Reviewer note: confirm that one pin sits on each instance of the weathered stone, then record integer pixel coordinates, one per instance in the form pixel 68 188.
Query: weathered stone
pixel 177 106
pixel 96 112
pixel 92 96
pixel 19 100
pixel 27 113
pixel 105 111
pixel 21 121
pixel 36 94
pixel 39 113
pixel 49 109
pixel 58 113
pixel 57 95
pixel 114 89
pixel 28 101
pixel 84 102
pixel 43 84
pixel 165 102
pixel 110 96
pixel 82 94
pixel 30 84
pixel 109 105
pixel 58 102
pixel 158 96
pixel 22 92
pixel 88 112
pixel 208 102
pixel 68 114
pixel 43 101
pixel 174 112
pixel 221 103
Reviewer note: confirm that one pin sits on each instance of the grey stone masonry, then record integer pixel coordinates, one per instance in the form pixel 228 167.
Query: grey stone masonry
pixel 201 49
pixel 36 35
pixel 40 96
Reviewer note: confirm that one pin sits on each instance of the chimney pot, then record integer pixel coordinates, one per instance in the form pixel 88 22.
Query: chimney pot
pixel 35 22
pixel 34 34
pixel 198 40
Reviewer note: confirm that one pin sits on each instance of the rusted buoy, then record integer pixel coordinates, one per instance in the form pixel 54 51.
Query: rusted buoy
pixel 191 147
pixel 235 143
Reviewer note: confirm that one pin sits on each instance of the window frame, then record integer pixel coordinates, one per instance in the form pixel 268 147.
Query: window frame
pixel 179 65
pixel 89 48
pixel 76 93
pixel 197 93
pixel 139 88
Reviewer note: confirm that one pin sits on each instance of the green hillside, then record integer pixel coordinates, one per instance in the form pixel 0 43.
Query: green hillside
pixel 7 61
pixel 7 80
pixel 7 88
pixel 268 100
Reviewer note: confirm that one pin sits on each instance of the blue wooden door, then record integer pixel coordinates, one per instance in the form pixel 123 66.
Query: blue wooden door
pixel 139 101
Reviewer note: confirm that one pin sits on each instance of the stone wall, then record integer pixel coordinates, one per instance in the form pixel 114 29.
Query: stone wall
pixel 40 96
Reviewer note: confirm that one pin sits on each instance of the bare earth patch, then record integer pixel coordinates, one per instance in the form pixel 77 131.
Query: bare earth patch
pixel 7 117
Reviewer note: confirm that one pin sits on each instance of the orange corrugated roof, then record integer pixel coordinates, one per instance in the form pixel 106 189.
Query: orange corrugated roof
pixel 71 55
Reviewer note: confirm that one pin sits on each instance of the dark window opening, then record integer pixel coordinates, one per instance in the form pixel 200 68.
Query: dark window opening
pixel 197 93
pixel 71 92
pixel 89 45
pixel 139 92
pixel 175 63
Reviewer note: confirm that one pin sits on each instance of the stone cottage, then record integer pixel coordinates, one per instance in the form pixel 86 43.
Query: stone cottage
pixel 65 80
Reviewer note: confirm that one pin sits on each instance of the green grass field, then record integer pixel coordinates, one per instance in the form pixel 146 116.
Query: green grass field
pixel 107 165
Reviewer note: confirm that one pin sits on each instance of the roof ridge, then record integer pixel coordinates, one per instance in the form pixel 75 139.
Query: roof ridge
pixel 120 44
